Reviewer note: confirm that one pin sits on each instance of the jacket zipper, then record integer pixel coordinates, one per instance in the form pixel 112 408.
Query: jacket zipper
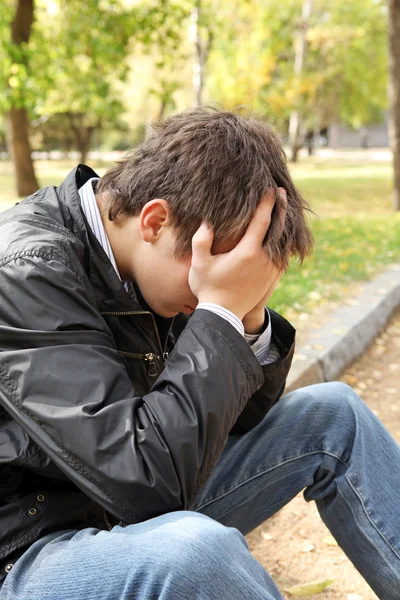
pixel 149 356
pixel 165 353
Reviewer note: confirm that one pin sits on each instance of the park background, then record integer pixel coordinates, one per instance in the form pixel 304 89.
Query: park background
pixel 84 81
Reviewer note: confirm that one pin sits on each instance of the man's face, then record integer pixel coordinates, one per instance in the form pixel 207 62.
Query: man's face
pixel 144 249
pixel 163 278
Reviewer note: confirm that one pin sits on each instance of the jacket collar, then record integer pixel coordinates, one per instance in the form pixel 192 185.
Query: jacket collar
pixel 109 290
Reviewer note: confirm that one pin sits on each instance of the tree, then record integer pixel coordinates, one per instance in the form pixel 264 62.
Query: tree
pixel 300 50
pixel 90 65
pixel 87 66
pixel 18 96
pixel 394 67
pixel 203 24
pixel 170 53
pixel 253 58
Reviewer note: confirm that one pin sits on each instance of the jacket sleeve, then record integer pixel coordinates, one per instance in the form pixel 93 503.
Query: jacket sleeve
pixel 62 380
pixel 275 374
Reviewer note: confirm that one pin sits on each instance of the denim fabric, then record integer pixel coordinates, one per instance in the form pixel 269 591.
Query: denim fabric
pixel 322 438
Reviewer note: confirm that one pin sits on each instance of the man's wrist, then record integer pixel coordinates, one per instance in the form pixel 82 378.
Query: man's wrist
pixel 216 301
pixel 224 313
pixel 255 323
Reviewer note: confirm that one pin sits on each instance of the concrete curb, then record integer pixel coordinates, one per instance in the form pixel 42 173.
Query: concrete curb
pixel 348 332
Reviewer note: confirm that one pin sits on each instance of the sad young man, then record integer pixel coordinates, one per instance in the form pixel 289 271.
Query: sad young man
pixel 141 434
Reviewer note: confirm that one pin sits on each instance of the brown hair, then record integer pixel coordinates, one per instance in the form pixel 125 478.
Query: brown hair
pixel 211 165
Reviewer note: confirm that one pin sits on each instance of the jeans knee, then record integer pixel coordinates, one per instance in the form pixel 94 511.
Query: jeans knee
pixel 334 397
pixel 325 411
pixel 198 544
pixel 196 533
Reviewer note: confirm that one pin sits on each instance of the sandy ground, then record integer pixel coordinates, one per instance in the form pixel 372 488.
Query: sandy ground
pixel 294 545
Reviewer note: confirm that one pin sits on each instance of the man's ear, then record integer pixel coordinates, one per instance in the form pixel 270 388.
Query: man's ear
pixel 153 217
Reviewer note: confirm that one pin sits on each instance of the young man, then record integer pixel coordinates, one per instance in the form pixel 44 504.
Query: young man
pixel 140 431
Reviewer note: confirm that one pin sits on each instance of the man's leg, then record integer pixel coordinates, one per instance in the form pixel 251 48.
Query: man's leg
pixel 173 557
pixel 323 438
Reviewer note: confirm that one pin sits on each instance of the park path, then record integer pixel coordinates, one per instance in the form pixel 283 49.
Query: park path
pixel 294 545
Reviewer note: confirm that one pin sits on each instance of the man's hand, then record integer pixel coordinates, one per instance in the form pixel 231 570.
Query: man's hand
pixel 254 321
pixel 239 280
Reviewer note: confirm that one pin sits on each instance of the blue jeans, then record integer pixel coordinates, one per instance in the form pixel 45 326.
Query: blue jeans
pixel 322 438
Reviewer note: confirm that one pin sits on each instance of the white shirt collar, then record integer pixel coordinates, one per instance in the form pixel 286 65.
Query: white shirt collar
pixel 92 214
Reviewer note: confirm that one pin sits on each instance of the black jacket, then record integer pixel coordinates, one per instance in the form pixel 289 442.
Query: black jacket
pixel 94 427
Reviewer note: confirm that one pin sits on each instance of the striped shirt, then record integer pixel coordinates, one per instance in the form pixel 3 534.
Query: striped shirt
pixel 264 350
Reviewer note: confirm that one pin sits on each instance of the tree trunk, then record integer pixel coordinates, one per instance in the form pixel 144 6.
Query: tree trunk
pixel 18 119
pixel 21 152
pixel 202 51
pixel 195 35
pixel 295 118
pixel 82 135
pixel 394 92
pixel 83 141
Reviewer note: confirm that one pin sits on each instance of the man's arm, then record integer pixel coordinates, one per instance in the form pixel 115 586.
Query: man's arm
pixel 274 352
pixel 275 375
pixel 62 380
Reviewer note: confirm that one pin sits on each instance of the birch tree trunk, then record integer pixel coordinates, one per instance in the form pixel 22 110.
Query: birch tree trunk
pixel 202 46
pixel 300 48
pixel 394 93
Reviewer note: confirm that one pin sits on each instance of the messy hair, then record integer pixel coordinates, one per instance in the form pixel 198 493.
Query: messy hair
pixel 211 165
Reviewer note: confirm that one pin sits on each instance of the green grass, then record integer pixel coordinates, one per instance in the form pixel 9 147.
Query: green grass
pixel 347 249
pixel 356 233
pixel 337 189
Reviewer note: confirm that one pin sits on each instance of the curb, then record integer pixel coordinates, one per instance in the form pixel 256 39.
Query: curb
pixel 347 334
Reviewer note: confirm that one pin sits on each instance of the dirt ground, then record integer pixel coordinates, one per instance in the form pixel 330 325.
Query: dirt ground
pixel 294 545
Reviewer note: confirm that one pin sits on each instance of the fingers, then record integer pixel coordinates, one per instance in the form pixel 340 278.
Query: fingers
pixel 201 243
pixel 258 227
pixel 282 211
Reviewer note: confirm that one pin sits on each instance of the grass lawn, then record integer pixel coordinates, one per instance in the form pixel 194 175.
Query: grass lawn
pixel 356 233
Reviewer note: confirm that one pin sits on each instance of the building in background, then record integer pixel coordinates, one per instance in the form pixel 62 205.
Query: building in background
pixel 369 136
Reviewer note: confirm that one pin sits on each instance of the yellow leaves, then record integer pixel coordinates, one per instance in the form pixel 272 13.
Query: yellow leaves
pixel 13 82
pixel 310 588
pixel 350 380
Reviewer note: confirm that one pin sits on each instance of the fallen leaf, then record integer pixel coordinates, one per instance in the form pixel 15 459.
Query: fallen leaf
pixel 308 548
pixel 308 589
pixel 318 347
pixel 299 356
pixel 330 540
pixel 350 379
